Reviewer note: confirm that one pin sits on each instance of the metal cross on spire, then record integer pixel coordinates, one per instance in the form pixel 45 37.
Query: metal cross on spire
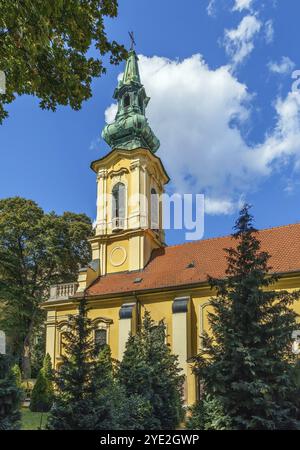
pixel 131 35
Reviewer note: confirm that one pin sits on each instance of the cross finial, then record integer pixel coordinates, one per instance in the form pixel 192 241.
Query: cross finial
pixel 131 35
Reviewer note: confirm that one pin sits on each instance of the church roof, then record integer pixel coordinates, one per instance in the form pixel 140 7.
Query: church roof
pixel 191 263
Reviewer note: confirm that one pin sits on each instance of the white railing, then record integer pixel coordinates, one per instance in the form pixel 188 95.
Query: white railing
pixel 63 291
pixel 118 223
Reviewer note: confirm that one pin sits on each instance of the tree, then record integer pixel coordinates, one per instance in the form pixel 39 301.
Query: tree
pixel 47 367
pixel 36 250
pixel 42 393
pixel 10 396
pixel 44 46
pixel 86 395
pixel 16 373
pixel 246 363
pixel 150 371
pixel 38 346
pixel 207 414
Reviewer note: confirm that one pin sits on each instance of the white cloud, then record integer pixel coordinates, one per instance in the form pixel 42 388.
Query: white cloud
pixel 269 31
pixel 211 8
pixel 285 66
pixel 240 5
pixel 197 114
pixel 239 41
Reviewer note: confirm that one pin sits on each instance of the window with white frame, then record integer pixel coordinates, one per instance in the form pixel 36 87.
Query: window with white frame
pixel 118 206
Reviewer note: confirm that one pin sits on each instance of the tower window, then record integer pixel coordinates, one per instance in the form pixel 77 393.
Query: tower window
pixel 100 338
pixel 118 206
pixel 154 210
pixel 126 101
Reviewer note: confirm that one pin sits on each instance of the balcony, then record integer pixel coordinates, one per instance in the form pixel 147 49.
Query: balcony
pixel 63 291
pixel 118 224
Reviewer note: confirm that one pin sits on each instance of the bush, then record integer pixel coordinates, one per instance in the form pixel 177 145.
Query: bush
pixel 10 397
pixel 42 393
pixel 16 372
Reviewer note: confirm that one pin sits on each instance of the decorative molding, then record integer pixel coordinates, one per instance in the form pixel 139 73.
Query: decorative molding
pixel 62 324
pixel 135 165
pixel 123 259
pixel 118 173
pixel 105 320
pixel 102 174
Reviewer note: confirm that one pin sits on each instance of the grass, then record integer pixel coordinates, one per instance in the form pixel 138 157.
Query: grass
pixel 32 420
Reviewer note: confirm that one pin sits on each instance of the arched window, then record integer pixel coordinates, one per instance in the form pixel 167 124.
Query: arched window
pixel 100 338
pixel 154 210
pixel 118 206
pixel 126 101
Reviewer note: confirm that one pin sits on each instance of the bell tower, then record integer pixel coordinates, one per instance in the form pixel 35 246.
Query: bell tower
pixel 130 182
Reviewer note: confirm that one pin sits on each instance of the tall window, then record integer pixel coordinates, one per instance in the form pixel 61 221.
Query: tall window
pixel 154 210
pixel 118 206
pixel 100 338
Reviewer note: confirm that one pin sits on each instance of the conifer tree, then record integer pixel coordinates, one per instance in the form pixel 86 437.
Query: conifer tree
pixel 16 372
pixel 42 393
pixel 47 367
pixel 150 372
pixel 10 397
pixel 207 414
pixel 246 363
pixel 85 392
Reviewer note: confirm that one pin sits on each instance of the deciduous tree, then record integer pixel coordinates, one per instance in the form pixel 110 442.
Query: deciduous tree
pixel 36 250
pixel 54 48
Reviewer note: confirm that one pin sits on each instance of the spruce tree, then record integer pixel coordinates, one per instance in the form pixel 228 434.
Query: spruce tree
pixel 207 414
pixel 85 394
pixel 47 367
pixel 150 372
pixel 247 361
pixel 10 397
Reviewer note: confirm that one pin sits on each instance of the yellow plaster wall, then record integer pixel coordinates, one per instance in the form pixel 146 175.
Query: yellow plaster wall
pixel 160 307
pixel 109 310
pixel 117 256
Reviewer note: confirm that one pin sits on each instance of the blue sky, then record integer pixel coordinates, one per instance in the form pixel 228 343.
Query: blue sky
pixel 219 74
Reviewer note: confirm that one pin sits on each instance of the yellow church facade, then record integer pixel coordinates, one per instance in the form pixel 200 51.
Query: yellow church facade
pixel 132 268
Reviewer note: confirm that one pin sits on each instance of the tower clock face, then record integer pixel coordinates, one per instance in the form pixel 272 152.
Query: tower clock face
pixel 118 256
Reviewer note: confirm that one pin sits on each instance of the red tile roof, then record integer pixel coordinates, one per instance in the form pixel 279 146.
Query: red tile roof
pixel 168 266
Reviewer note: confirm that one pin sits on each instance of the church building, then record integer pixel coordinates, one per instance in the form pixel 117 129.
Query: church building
pixel 132 268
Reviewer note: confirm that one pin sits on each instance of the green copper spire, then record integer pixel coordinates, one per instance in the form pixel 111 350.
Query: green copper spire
pixel 130 129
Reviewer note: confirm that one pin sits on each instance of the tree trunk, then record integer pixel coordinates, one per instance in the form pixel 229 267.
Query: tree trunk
pixel 26 357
